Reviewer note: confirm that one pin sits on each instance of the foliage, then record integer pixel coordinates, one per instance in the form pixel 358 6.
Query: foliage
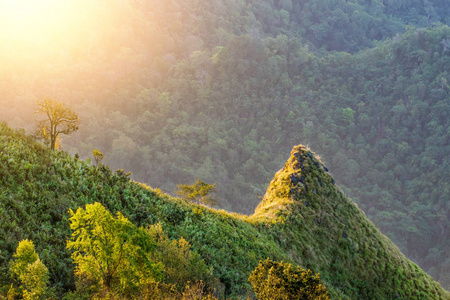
pixel 161 291
pixel 30 270
pixel 348 115
pixel 196 290
pixel 305 229
pixel 199 192
pixel 59 120
pixel 274 280
pixel 181 265
pixel 111 252
pixel 98 156
pixel 223 91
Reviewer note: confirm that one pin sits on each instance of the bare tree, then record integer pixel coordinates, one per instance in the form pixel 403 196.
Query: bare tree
pixel 59 119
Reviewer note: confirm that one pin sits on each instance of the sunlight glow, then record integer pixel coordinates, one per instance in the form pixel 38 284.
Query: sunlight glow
pixel 35 24
pixel 47 35
pixel 27 8
pixel 26 18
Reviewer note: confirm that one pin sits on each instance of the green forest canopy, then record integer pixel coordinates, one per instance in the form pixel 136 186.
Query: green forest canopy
pixel 223 91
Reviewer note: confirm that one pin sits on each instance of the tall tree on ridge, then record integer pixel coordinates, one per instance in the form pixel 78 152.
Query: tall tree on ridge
pixel 60 119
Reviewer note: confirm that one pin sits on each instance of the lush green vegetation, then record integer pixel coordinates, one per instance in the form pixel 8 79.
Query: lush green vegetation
pixel 31 272
pixel 223 91
pixel 200 192
pixel 115 258
pixel 278 281
pixel 303 219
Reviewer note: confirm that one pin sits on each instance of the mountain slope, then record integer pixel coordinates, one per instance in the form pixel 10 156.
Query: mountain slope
pixel 221 91
pixel 304 218
pixel 328 232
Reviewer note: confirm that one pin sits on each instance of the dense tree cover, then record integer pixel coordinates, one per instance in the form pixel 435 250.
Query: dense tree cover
pixel 304 219
pixel 223 90
pixel 396 161
pixel 115 259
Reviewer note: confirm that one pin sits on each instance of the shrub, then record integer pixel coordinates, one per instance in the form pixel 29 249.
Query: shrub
pixel 273 280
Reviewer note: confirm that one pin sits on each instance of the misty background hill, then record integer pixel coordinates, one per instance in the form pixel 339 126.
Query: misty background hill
pixel 221 90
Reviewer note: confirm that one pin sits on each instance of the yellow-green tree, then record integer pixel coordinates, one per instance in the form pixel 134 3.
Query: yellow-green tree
pixel 98 156
pixel 199 192
pixel 272 280
pixel 181 264
pixel 59 119
pixel 111 252
pixel 31 271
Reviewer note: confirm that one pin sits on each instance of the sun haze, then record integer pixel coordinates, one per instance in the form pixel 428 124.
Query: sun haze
pixel 37 25
pixel 27 20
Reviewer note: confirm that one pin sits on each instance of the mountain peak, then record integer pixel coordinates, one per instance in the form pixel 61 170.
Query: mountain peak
pixel 315 225
pixel 302 178
pixel 303 199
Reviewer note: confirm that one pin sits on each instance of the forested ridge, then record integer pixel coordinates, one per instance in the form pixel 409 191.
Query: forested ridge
pixel 303 219
pixel 226 88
